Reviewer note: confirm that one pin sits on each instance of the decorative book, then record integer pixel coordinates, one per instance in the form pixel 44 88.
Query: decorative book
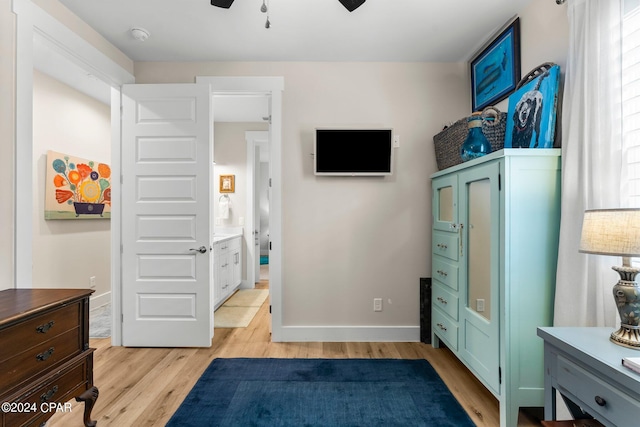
pixel 632 363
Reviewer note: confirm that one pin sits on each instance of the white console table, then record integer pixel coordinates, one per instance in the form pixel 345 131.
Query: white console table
pixel 585 367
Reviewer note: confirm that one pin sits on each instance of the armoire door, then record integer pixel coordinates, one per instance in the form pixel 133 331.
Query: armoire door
pixel 479 216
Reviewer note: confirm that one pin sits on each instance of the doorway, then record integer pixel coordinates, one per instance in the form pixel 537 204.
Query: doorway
pixel 29 20
pixel 258 206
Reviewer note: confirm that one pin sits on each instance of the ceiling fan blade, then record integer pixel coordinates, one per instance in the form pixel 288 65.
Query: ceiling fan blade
pixel 352 5
pixel 222 3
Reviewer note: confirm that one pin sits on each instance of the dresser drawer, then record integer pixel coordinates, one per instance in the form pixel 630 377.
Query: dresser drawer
pixel 614 405
pixel 37 330
pixel 445 328
pixel 70 381
pixel 445 272
pixel 445 244
pixel 445 300
pixel 40 358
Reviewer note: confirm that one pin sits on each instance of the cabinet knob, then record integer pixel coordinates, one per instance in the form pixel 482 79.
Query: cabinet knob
pixel 600 401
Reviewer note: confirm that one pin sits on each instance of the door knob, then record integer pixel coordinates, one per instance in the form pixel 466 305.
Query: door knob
pixel 201 249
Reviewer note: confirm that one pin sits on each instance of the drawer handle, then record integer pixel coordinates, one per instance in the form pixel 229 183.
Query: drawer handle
pixel 43 329
pixel 48 395
pixel 442 246
pixel 442 327
pixel 442 300
pixel 442 273
pixel 44 356
pixel 600 401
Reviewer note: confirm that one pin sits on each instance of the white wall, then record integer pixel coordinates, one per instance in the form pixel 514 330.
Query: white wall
pixel 349 240
pixel 67 252
pixel 8 116
pixel 231 159
pixel 7 138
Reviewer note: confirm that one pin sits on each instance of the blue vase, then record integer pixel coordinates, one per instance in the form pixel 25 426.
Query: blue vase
pixel 476 145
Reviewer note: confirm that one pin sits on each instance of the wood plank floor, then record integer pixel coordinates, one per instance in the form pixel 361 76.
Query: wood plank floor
pixel 144 386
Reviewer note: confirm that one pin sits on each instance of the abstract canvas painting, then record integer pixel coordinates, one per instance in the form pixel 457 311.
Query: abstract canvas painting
pixel 76 188
pixel 531 120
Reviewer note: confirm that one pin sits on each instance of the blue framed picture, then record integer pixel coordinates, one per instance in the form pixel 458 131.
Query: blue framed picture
pixel 495 72
pixel 531 118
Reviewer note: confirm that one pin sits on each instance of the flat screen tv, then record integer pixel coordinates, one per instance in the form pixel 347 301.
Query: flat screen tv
pixel 353 152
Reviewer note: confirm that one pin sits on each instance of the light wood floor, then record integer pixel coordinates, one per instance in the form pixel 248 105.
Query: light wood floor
pixel 144 386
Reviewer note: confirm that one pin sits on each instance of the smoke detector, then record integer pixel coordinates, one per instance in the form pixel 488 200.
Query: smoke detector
pixel 139 34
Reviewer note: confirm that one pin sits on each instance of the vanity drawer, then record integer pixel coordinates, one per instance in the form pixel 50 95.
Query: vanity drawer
pixel 445 272
pixel 445 328
pixel 40 358
pixel 445 300
pixel 20 337
pixel 445 244
pixel 608 402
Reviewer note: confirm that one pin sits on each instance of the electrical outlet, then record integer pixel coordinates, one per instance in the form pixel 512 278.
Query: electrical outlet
pixel 396 141
pixel 479 305
pixel 92 282
pixel 377 304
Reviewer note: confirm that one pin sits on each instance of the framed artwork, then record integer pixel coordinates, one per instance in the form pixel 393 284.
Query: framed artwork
pixel 531 119
pixel 495 71
pixel 227 184
pixel 76 188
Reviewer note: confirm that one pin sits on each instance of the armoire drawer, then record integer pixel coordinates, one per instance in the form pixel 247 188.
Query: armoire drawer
pixel 445 272
pixel 445 300
pixel 445 328
pixel 445 244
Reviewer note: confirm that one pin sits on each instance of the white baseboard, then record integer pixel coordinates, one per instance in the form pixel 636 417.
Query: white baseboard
pixel 350 333
pixel 96 301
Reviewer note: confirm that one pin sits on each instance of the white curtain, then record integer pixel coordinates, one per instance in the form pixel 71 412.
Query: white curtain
pixel 592 166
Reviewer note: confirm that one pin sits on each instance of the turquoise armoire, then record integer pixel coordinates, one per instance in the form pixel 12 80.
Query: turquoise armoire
pixel 494 244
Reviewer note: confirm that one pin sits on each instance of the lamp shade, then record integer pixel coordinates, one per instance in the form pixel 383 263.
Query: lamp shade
pixel 611 232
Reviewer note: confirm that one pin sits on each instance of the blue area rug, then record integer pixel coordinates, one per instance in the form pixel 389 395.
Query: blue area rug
pixel 320 392
pixel 264 259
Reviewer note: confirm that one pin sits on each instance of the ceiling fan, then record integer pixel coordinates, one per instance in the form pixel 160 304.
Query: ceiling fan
pixel 351 5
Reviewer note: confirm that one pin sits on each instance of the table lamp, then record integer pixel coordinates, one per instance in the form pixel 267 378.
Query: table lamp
pixel 616 232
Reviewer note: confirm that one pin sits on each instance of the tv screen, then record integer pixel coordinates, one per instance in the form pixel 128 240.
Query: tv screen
pixel 350 152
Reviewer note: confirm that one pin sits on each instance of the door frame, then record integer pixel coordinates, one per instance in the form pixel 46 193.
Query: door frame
pixel 271 87
pixel 253 139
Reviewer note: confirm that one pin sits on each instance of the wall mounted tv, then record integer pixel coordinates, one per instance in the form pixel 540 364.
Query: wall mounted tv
pixel 353 152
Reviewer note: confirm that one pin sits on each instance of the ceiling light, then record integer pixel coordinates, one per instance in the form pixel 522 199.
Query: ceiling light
pixel 139 34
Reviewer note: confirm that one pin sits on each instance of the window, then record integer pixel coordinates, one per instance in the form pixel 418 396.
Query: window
pixel 631 98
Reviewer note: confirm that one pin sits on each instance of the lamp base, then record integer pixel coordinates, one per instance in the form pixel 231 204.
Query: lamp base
pixel 627 296
pixel 626 337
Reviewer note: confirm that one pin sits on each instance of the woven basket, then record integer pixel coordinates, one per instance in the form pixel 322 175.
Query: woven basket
pixel 447 143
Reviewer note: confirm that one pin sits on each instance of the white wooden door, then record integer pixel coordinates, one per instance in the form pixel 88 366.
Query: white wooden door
pixel 166 213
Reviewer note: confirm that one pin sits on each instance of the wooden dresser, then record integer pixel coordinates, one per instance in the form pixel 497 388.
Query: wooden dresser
pixel 45 359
